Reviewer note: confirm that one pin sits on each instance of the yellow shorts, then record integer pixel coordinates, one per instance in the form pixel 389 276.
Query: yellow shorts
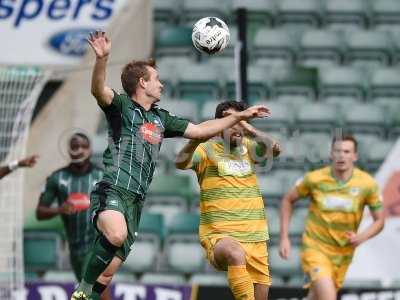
pixel 256 258
pixel 316 265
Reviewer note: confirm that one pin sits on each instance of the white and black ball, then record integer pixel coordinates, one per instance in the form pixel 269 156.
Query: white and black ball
pixel 210 35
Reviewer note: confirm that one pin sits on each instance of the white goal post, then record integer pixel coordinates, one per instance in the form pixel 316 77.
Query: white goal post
pixel 19 90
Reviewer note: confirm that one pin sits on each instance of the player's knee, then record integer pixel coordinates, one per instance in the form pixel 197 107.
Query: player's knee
pixel 117 238
pixel 235 256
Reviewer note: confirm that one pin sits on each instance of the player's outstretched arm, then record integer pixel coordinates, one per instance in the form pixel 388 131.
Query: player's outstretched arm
pixel 211 128
pixel 285 215
pixel 184 158
pixel 101 46
pixel 28 162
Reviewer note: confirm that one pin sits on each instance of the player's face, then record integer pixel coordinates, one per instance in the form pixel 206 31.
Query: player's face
pixel 153 87
pixel 233 134
pixel 343 155
pixel 79 150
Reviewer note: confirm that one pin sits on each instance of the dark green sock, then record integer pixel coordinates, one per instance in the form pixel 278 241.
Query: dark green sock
pixel 98 289
pixel 99 258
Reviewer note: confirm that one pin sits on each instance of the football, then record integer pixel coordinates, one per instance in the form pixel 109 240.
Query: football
pixel 210 35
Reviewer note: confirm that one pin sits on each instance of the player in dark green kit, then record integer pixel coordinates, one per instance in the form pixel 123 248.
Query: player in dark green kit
pixel 69 188
pixel 137 127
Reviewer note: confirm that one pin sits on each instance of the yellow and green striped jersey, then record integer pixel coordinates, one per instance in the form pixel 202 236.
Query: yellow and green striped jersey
pixel 230 199
pixel 336 207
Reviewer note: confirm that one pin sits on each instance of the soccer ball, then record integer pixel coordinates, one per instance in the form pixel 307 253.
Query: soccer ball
pixel 210 35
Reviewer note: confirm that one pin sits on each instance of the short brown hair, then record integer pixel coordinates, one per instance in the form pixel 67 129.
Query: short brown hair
pixel 345 137
pixel 224 106
pixel 133 71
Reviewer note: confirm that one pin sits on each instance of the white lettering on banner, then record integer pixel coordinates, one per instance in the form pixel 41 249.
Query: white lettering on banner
pixel 130 292
pixel 52 292
pixel 167 294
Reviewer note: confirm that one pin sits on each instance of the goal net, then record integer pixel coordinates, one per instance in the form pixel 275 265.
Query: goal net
pixel 19 90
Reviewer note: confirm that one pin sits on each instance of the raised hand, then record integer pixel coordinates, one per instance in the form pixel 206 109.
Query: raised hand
pixel 256 111
pixel 29 161
pixel 100 44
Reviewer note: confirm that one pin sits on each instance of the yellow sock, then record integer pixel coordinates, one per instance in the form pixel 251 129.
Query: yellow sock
pixel 240 283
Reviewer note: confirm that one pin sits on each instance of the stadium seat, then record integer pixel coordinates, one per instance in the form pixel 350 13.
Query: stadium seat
pixel 208 110
pixel 59 276
pixel 209 279
pixel 317 117
pixel 345 14
pixel 342 82
pixel 198 82
pixel 194 10
pixel 294 101
pixel 55 224
pixel 319 48
pixel 318 146
pixel 175 41
pixel 259 12
pixel 185 256
pixel 285 268
pixel 298 221
pixel 182 249
pixel 272 216
pixel 144 256
pixel 294 82
pixel 271 187
pixel 163 279
pixel 275 46
pixel 146 249
pixel 167 208
pixel 341 102
pixel 257 83
pixel 377 152
pixel 385 14
pixel 36 244
pixel 305 13
pixel 281 116
pixel 174 188
pixel 166 11
pixel 296 281
pixel 385 82
pixel 183 108
pixel 293 154
pixel 151 225
pixel 368 118
pixel 185 224
pixel 368 48
pixel 124 277
pixel 391 104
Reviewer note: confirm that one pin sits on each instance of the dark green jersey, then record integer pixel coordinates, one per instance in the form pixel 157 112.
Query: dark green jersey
pixel 63 185
pixel 135 137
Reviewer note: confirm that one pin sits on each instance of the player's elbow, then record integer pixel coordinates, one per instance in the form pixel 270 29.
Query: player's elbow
pixel 39 215
pixel 194 131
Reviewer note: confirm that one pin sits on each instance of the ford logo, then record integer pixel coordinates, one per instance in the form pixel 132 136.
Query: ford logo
pixel 71 42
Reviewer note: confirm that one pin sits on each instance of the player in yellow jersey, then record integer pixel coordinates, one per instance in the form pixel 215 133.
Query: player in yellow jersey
pixel 233 229
pixel 338 193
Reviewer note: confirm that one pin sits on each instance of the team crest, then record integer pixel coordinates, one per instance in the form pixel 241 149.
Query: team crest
pixel 354 191
pixel 150 133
